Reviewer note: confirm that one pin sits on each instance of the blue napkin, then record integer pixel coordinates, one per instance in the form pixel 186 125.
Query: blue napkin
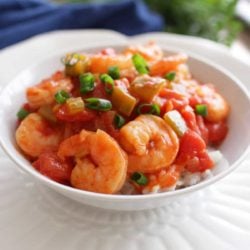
pixel 21 19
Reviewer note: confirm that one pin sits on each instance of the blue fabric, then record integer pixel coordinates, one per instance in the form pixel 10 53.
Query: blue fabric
pixel 21 19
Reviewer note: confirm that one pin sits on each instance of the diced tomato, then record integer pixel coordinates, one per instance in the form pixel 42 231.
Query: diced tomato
pixel 192 164
pixel 205 161
pixel 58 75
pixel 75 92
pixel 51 166
pixel 99 91
pixel 63 114
pixel 47 128
pixel 195 122
pixel 194 100
pixel 162 103
pixel 178 101
pixel 105 121
pixel 169 106
pixel 72 128
pixel 27 107
pixel 202 128
pixel 199 163
pixel 216 132
pixel 191 143
pixel 179 104
pixel 189 116
pixel 193 153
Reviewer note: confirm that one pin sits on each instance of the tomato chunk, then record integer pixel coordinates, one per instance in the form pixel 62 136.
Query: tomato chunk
pixel 217 132
pixel 193 153
pixel 63 114
pixel 191 143
pixel 51 166
pixel 189 116
pixel 99 91
pixel 203 131
pixel 105 121
pixel 205 161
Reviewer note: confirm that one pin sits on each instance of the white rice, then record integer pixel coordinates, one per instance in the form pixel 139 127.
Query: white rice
pixel 215 155
pixel 187 179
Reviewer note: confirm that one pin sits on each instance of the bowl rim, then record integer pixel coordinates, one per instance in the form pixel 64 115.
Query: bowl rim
pixel 121 197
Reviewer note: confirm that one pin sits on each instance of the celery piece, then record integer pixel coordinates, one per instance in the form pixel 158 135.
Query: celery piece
pixel 174 119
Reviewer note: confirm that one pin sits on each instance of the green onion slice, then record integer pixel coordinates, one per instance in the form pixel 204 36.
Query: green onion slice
pixel 139 178
pixel 22 113
pixel 201 109
pixel 140 64
pixel 170 76
pixel 153 109
pixel 87 83
pixel 61 96
pixel 70 60
pixel 98 104
pixel 114 72
pixel 119 121
pixel 108 82
pixel 105 78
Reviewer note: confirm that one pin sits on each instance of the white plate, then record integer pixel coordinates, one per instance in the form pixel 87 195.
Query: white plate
pixel 32 217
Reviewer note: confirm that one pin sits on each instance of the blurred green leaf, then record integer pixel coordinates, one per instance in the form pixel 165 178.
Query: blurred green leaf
pixel 212 19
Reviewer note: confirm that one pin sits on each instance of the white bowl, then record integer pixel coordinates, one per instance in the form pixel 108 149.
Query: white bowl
pixel 234 148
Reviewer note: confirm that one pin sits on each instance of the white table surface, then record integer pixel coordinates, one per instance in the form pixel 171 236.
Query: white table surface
pixel 241 47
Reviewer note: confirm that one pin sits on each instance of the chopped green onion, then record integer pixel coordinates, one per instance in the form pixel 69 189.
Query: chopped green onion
pixel 61 96
pixel 87 83
pixel 170 76
pixel 98 104
pixel 119 121
pixel 22 113
pixel 70 60
pixel 105 78
pixel 139 178
pixel 109 83
pixel 153 109
pixel 140 64
pixel 201 109
pixel 114 72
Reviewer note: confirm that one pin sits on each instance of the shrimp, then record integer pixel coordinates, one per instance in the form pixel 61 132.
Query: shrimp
pixel 167 64
pixel 35 135
pixel 43 93
pixel 150 51
pixel 217 107
pixel 101 164
pixel 151 144
pixel 101 63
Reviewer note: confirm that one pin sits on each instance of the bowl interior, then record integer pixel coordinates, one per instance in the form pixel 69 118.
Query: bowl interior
pixel 233 148
pixel 237 140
